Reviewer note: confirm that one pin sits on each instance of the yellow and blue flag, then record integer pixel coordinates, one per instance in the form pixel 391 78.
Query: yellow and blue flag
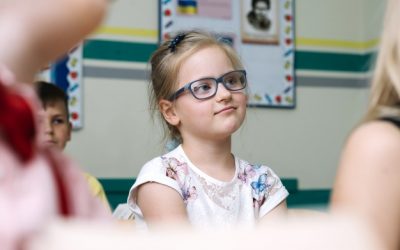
pixel 188 7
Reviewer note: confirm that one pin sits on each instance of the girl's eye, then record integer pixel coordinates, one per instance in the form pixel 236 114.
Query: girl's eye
pixel 232 81
pixel 202 87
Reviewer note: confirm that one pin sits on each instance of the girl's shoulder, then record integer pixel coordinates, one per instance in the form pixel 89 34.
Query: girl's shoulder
pixel 174 156
pixel 371 148
pixel 374 137
pixel 170 169
pixel 173 159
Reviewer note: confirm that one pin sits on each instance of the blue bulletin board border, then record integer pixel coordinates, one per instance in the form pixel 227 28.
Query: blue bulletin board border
pixel 67 73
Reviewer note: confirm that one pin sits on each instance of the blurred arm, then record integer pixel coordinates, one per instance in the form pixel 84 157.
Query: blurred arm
pixel 35 32
pixel 368 180
pixel 161 205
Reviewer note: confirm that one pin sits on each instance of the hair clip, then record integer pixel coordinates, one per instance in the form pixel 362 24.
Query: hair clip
pixel 176 41
pixel 225 40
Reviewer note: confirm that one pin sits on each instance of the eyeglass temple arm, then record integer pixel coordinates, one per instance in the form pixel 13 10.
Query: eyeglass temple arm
pixel 178 93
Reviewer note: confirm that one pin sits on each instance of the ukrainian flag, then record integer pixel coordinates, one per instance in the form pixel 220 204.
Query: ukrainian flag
pixel 188 7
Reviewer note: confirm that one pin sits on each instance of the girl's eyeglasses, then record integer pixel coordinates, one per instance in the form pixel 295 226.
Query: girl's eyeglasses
pixel 206 88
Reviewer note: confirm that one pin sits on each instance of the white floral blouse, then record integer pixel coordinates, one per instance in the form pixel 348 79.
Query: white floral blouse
pixel 252 193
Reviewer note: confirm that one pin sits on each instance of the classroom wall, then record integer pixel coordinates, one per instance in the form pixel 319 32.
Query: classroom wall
pixel 119 135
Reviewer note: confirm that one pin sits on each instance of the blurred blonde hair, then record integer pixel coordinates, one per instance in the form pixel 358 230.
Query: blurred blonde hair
pixel 385 89
pixel 166 63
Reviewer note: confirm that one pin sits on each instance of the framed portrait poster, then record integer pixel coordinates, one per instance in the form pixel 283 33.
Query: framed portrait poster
pixel 260 21
pixel 262 32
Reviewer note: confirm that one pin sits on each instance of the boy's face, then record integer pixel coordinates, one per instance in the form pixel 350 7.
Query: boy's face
pixel 56 126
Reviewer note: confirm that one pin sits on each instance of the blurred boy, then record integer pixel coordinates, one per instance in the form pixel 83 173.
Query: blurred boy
pixel 57 127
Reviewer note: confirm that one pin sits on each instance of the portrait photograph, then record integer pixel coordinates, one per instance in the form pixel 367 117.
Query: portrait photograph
pixel 260 21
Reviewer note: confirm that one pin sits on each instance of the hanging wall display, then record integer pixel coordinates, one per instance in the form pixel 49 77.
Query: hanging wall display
pixel 262 32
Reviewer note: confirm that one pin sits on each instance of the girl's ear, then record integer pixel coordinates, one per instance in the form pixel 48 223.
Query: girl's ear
pixel 167 109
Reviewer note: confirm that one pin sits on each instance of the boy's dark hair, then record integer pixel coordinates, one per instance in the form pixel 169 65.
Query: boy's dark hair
pixel 49 92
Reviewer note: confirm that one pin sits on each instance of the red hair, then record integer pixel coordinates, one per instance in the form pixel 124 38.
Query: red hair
pixel 17 124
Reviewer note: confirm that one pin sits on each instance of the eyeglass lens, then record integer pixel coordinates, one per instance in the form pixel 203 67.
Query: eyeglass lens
pixel 204 88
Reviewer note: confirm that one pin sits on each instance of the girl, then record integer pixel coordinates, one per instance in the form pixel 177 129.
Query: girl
pixel 199 87
pixel 368 181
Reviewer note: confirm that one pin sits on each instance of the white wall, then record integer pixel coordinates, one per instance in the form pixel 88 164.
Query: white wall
pixel 304 143
pixel 119 137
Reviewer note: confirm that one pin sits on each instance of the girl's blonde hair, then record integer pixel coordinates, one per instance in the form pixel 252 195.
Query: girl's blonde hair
pixel 385 89
pixel 167 60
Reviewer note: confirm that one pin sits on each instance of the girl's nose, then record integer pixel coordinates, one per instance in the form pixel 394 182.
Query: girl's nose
pixel 223 93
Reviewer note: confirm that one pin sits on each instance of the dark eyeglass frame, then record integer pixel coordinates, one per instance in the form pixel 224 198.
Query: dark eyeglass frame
pixel 218 80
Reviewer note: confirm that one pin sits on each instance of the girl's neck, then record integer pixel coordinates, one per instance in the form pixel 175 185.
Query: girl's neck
pixel 213 158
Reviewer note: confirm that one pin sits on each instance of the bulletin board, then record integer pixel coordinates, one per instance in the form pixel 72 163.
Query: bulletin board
pixel 263 36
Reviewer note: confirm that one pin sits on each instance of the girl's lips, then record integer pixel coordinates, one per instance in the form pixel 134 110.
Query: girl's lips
pixel 225 110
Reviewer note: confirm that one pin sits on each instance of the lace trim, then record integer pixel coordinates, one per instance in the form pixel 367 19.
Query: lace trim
pixel 223 196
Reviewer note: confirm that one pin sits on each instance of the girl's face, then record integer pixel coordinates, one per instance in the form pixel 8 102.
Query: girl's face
pixel 215 118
